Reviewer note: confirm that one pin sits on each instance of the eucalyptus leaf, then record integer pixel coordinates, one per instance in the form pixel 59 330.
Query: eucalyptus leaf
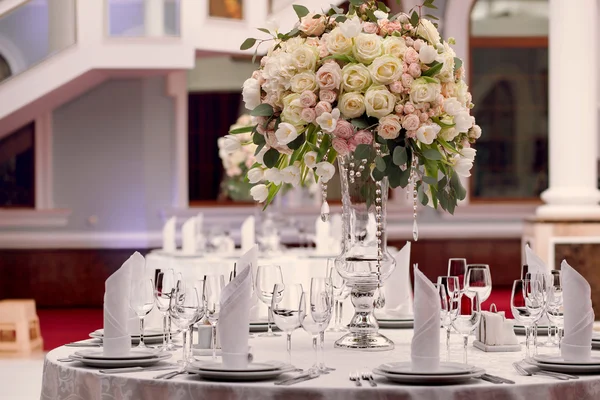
pixel 433 70
pixel 296 143
pixel 258 139
pixel 414 19
pixel 301 11
pixel 457 64
pixel 380 163
pixel 262 110
pixel 244 129
pixel 378 175
pixel 264 30
pixel 430 180
pixel 363 151
pixel 270 158
pixel 432 154
pixel 399 156
pixel 421 195
pixel 259 148
pixel 461 192
pixel 248 43
pixel 359 123
pixel 394 176
pixel 429 79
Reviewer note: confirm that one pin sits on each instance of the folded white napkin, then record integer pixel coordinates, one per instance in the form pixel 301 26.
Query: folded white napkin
pixel 188 236
pixel 322 236
pixel 496 330
pixel 397 289
pixel 535 264
pixel 247 233
pixel 425 345
pixel 234 317
pixel 579 315
pixel 168 235
pixel 117 313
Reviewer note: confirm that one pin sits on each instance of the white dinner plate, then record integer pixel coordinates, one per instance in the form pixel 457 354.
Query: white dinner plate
pixel 99 333
pixel 142 362
pixel 445 368
pixel 430 379
pixel 558 360
pixel 232 376
pixel 568 368
pixel 396 324
pixel 134 354
pixel 252 367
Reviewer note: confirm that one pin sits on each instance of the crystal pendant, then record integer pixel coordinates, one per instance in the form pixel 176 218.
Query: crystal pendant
pixel 325 211
pixel 415 230
pixel 379 298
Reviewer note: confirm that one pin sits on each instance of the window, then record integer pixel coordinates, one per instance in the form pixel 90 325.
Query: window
pixel 17 168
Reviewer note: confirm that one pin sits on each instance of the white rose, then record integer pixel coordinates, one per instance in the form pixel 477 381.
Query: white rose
pixel 463 121
pixel 452 106
pixel 428 31
pixel 446 74
pixel 379 102
pixel 427 133
pixel 230 144
pixel 274 175
pixel 256 175
pixel 385 70
pixel 292 110
pixel 352 105
pixel 337 43
pixel 469 153
pixel 422 91
pixel 286 133
pixel 305 58
pixel 475 132
pixel 355 78
pixel 351 27
pixel 448 134
pixel 328 121
pixel 310 159
pixel 325 171
pixel 251 93
pixel 394 46
pixel 367 47
pixel 306 80
pixel 291 175
pixel 380 14
pixel 462 93
pixel 427 54
pixel 462 165
pixel 259 193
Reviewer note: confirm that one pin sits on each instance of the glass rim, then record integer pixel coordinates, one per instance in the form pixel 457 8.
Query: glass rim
pixel 457 259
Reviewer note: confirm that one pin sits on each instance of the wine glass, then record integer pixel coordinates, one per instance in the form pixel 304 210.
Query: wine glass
pixel 267 276
pixel 449 290
pixel 458 267
pixel 285 306
pixel 186 309
pixel 467 318
pixel 340 292
pixel 164 285
pixel 555 309
pixel 315 315
pixel 519 305
pixel 478 279
pixel 141 301
pixel 539 298
pixel 524 270
pixel 214 285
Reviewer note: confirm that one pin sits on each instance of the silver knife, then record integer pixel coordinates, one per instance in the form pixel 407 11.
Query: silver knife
pixel 299 379
pixel 136 369
pixel 499 378
pixel 83 344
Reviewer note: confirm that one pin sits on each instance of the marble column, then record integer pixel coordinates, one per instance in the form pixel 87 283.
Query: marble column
pixel 61 25
pixel 154 18
pixel 573 136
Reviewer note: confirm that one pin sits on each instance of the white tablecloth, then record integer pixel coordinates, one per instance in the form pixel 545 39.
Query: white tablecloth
pixel 72 381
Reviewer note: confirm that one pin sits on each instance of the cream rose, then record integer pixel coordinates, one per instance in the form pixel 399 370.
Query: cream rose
pixel 379 102
pixel 305 58
pixel 251 93
pixel 355 78
pixel 428 31
pixel 292 110
pixel 303 81
pixel 452 106
pixel 386 69
pixel 394 46
pixel 389 127
pixel 367 47
pixel 329 76
pixel 312 26
pixel 424 91
pixel 427 133
pixel 327 95
pixel 411 122
pixel 337 43
pixel 352 105
pixel 308 99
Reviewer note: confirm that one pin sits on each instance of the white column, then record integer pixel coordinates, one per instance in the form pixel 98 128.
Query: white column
pixel 154 17
pixel 573 127
pixel 177 89
pixel 61 25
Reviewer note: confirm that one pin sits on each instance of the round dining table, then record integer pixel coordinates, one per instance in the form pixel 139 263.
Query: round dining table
pixel 73 381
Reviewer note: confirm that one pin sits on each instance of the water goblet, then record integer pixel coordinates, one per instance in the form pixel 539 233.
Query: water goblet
pixel 479 280
pixel 540 289
pixel 458 267
pixel 555 307
pixel 213 286
pixel 141 301
pixel 267 276
pixel 525 310
pixel 285 306
pixel 341 291
pixel 186 309
pixel 449 290
pixel 163 286
pixel 467 318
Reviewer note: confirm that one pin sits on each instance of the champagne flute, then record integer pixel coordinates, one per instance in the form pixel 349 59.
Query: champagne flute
pixel 519 307
pixel 449 290
pixel 467 318
pixel 267 276
pixel 186 309
pixel 214 285
pixel 164 285
pixel 340 292
pixel 285 306
pixel 458 267
pixel 141 301
pixel 478 279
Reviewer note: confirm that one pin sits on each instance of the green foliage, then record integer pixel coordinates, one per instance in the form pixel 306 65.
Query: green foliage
pixel 244 129
pixel 258 139
pixel 457 64
pixel 248 43
pixel 301 11
pixel 271 157
pixel 296 143
pixel 414 19
pixel 399 156
pixel 262 110
pixel 437 67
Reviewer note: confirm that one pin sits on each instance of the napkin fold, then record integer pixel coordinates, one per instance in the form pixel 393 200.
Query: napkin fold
pixel 496 330
pixel 234 317
pixel 425 345
pixel 168 235
pixel 579 315
pixel 398 289
pixel 248 233
pixel 534 262
pixel 188 236
pixel 117 313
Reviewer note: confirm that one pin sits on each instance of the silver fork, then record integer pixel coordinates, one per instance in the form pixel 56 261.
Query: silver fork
pixel 368 376
pixel 355 377
pixel 525 371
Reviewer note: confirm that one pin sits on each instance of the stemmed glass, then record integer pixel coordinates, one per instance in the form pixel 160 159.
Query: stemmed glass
pixel 449 290
pixel 539 297
pixel 458 267
pixel 213 286
pixel 315 318
pixel 555 309
pixel 186 309
pixel 525 309
pixel 285 306
pixel 267 276
pixel 164 285
pixel 340 293
pixel 467 318
pixel 478 279
pixel 141 301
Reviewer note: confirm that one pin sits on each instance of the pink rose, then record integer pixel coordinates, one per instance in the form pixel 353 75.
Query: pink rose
pixel 313 41
pixel 409 41
pixel 396 87
pixel 407 27
pixel 409 108
pixel 341 146
pixel 343 129
pixel 431 112
pixel 327 95
pixel 418 43
pixel 389 127
pixel 308 114
pixel 411 56
pixel 411 122
pixel 312 26
pixel 361 137
pixel 322 107
pixel 414 70
pixel 411 134
pixel 440 100
pixel 323 52
pixel 404 68
pixel 423 116
pixel 407 80
pixel 394 26
pixel 399 109
pixel 370 27
pixel 383 26
pixel 329 76
pixel 308 99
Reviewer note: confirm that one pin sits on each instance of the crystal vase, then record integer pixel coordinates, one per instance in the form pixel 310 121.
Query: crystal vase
pixel 364 262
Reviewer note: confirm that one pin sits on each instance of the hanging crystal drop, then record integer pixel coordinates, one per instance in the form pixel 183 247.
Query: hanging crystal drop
pixel 325 211
pixel 415 231
pixel 379 298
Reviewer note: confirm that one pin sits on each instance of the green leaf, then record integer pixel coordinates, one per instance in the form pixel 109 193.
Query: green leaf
pixel 273 189
pixel 380 163
pixel 301 11
pixel 337 9
pixel 429 79
pixel 258 139
pixel 296 143
pixel 433 17
pixel 363 151
pixel 441 123
pixel 243 129
pixel 430 6
pixel 270 158
pixel 316 16
pixel 259 148
pixel 441 185
pixel 341 18
pixel 422 195
pixel 356 3
pixel 262 110
pixel 430 180
pixel 371 15
pixel 359 123
pixel 447 145
pixel 382 7
pixel 248 43
pixel 432 154
pixel 414 19
pixel 457 64
pixel 298 154
pixel 325 145
pixel 265 30
pixel 433 70
pixel 342 57
pixel 378 175
pixel 394 176
pixel 461 192
pixel 400 157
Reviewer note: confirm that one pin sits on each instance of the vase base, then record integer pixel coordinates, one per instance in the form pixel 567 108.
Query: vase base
pixel 365 342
